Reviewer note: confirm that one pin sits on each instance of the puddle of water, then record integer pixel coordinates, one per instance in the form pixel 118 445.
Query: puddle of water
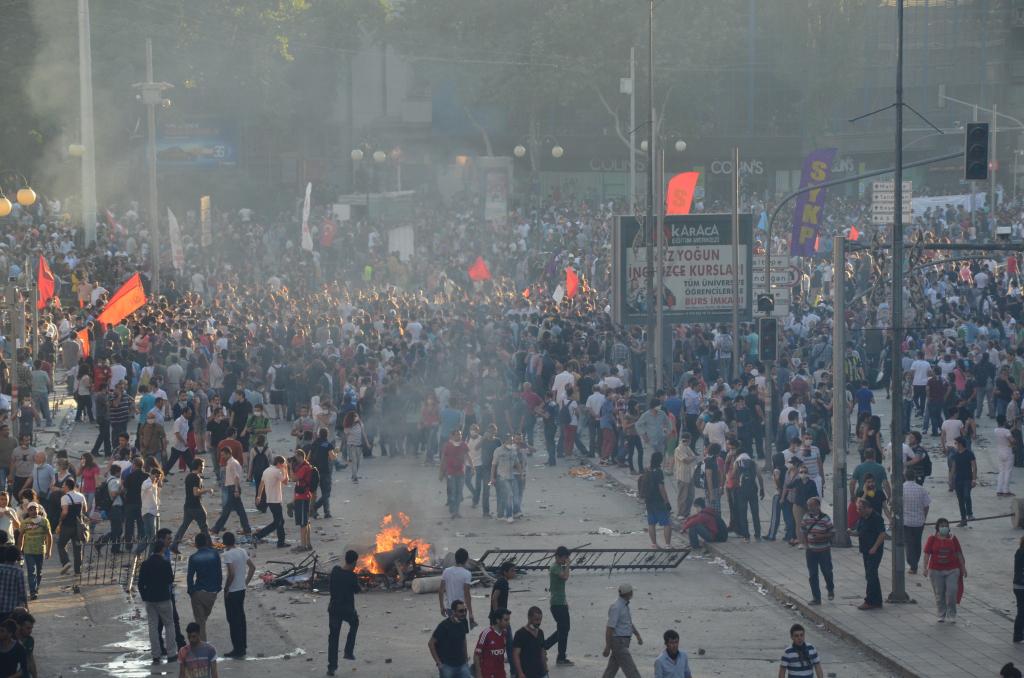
pixel 134 662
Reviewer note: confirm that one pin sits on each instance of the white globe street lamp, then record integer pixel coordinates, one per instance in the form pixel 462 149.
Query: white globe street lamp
pixel 519 151
pixel 680 146
pixel 557 152
pixel 357 154
pixel 379 156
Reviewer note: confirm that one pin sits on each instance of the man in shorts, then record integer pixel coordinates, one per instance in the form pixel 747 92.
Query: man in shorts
pixel 658 507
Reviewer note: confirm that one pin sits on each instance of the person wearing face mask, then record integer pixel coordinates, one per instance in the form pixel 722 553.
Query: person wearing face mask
pixel 874 495
pixel 801 489
pixel 945 559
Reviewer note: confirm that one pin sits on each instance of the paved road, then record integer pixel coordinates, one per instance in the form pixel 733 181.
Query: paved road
pixel 729 626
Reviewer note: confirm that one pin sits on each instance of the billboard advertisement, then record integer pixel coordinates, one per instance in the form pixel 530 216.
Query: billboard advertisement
pixel 195 144
pixel 697 269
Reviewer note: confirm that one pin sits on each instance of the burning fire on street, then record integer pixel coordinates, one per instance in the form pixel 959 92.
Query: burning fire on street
pixel 394 552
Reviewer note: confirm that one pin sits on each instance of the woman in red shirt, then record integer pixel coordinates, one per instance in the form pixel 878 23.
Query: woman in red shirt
pixel 945 559
pixel 302 474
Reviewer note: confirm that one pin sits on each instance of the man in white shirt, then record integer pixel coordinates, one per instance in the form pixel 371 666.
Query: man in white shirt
pixel 272 488
pixel 179 443
pixel 593 405
pixel 922 370
pixel 231 493
pixel 239 571
pixel 455 583
pixel 561 380
pixel 1004 454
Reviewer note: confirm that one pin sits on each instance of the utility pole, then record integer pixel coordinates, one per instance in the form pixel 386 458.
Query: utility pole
pixel 659 294
pixel 632 130
pixel 152 96
pixel 993 168
pixel 86 114
pixel 649 226
pixel 734 372
pixel 899 592
pixel 840 417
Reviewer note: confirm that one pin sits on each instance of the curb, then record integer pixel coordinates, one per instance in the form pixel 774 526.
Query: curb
pixel 784 596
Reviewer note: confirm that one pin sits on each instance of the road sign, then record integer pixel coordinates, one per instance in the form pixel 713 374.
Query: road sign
pixel 883 197
pixel 697 269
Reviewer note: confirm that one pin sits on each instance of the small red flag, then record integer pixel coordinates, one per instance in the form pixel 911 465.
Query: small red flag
pixel 679 195
pixel 572 282
pixel 854 233
pixel 526 293
pixel 126 300
pixel 83 336
pixel 479 271
pixel 817 242
pixel 45 283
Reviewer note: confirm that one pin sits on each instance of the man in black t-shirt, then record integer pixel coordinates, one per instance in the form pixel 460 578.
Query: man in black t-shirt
pixel 131 493
pixel 342 608
pixel 499 592
pixel 447 644
pixel 870 531
pixel 194 509
pixel 528 656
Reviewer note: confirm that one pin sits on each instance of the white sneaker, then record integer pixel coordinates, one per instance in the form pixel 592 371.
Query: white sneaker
pixel 510 519
pixel 941 620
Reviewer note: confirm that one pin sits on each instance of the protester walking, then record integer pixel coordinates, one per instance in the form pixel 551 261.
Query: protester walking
pixel 447 643
pixel 271 488
pixel 915 513
pixel 452 469
pixel 491 651
pixel 198 658
pixel 239 570
pixel 156 578
pixel 684 460
pixel 816 531
pixel 558 575
pixel 617 634
pixel 342 608
pixel 204 580
pixel 232 488
pixel 672 662
pixel 656 499
pixel 945 566
pixel 800 660
pixel 36 545
pixel 193 511
pixel 870 531
pixel 528 656
pixel 72 527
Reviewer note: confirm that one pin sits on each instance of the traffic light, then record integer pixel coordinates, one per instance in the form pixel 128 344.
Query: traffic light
pixel 765 303
pixel 768 333
pixel 976 152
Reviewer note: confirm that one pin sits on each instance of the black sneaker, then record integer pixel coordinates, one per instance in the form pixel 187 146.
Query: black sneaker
pixel 562 661
pixel 291 510
pixel 831 595
pixel 348 656
pixel 283 545
pixel 156 660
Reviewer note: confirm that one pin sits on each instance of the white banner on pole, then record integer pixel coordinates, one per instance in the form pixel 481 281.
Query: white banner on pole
pixel 174 235
pixel 307 238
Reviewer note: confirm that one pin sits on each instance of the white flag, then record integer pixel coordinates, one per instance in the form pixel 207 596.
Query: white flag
pixel 558 294
pixel 206 237
pixel 307 239
pixel 174 234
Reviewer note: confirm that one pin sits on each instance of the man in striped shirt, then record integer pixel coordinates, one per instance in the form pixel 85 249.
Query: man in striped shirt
pixel 800 660
pixel 816 531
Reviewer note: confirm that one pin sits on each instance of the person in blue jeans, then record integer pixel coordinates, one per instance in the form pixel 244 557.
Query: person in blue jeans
pixel 35 542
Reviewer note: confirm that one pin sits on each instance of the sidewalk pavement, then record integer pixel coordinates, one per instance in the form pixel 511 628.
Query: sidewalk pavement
pixel 906 638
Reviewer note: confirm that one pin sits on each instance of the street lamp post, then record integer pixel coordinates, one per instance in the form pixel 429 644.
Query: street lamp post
pixel 151 94
pixel 649 226
pixel 88 144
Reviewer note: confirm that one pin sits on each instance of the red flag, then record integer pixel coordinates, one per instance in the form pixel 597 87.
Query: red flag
pixel 526 293
pixel 128 299
pixel 854 233
pixel 572 282
pixel 45 283
pixel 479 271
pixel 817 242
pixel 679 195
pixel 83 336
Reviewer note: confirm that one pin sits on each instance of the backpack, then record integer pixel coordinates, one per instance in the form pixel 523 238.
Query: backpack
pixel 314 480
pixel 781 440
pixel 925 467
pixel 698 476
pixel 725 346
pixel 748 475
pixel 103 499
pixel 564 417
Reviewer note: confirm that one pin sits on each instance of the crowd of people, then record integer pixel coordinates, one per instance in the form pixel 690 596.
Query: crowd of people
pixel 365 351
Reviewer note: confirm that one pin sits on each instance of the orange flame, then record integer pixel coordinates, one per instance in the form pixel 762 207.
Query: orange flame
pixel 390 536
